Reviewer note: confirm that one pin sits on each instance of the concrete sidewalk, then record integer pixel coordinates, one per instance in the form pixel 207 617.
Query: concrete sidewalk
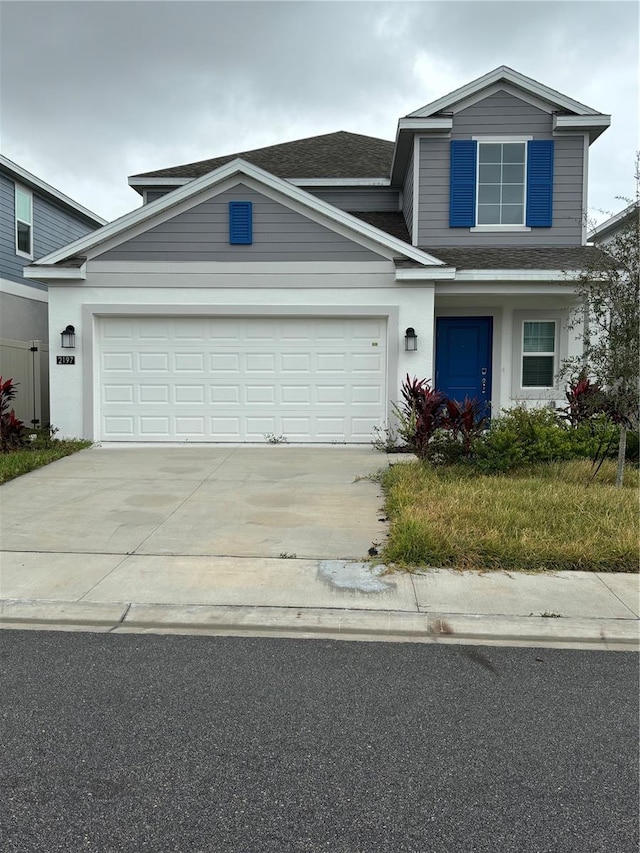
pixel 315 598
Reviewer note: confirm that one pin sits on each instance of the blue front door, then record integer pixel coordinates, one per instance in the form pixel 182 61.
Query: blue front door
pixel 463 357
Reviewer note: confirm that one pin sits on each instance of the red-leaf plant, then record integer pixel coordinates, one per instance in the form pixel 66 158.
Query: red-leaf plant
pixel 12 429
pixel 465 420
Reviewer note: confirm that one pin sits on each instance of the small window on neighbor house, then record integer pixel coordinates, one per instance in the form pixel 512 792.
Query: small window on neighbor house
pixel 538 353
pixel 24 222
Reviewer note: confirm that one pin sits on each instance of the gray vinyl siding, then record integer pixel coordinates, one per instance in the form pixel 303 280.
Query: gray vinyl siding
pixel 380 199
pixel 407 195
pixel 202 234
pixel 53 228
pixel 496 115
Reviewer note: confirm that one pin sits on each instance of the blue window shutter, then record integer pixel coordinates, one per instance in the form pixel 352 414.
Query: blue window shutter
pixel 462 204
pixel 240 222
pixel 540 183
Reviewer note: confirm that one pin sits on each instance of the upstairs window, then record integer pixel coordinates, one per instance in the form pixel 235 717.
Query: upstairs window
pixel 24 222
pixel 538 353
pixel 501 183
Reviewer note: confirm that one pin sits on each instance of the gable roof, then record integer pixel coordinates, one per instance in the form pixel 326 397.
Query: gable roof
pixel 332 155
pixel 180 198
pixel 611 225
pixel 32 182
pixel 504 74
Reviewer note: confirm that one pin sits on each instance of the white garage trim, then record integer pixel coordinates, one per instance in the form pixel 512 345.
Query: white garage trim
pixel 91 349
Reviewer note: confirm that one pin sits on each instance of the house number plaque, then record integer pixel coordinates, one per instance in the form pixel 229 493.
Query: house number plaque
pixel 65 359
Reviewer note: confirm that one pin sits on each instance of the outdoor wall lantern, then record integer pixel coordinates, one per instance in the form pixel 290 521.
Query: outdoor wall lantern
pixel 410 340
pixel 68 337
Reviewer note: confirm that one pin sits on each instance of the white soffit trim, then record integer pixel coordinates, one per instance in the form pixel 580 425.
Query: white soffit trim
pixel 515 275
pixel 426 274
pixel 37 273
pixel 37 183
pixel 580 122
pixel 149 214
pixel 425 124
pixel 504 74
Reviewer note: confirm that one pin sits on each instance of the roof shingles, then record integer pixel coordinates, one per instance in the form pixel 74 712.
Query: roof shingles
pixel 332 155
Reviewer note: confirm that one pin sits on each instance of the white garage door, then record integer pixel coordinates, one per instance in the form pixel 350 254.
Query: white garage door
pixel 240 379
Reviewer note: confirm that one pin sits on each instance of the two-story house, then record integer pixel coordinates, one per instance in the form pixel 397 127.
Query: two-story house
pixel 290 289
pixel 35 219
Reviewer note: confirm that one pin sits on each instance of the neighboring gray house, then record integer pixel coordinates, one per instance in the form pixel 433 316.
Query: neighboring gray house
pixel 290 289
pixel 35 219
pixel 610 227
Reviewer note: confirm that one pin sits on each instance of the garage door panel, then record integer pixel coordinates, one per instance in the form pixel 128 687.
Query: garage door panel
pixel 117 362
pixel 154 426
pixel 237 379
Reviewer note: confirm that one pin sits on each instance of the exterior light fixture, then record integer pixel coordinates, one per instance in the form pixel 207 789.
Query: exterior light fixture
pixel 410 340
pixel 68 337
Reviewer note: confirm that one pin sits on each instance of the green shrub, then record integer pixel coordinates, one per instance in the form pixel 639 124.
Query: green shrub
pixel 527 436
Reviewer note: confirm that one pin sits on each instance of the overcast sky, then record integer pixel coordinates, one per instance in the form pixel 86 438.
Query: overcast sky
pixel 92 92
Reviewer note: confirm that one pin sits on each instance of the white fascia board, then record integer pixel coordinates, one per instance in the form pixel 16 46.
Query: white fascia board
pixel 427 274
pixel 149 212
pixel 503 73
pixel 595 125
pixel 515 275
pixel 55 273
pixel 423 125
pixel 158 182
pixel 31 180
pixel 339 182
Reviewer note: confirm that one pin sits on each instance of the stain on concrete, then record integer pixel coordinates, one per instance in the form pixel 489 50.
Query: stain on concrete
pixel 149 500
pixel 136 518
pixel 359 577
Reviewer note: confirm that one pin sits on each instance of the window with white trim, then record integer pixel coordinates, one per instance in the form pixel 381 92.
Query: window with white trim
pixel 24 222
pixel 501 183
pixel 538 353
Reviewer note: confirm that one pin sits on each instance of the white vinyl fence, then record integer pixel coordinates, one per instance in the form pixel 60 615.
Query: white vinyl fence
pixel 27 363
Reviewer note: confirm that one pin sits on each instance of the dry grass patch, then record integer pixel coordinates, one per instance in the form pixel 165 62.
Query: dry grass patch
pixel 543 518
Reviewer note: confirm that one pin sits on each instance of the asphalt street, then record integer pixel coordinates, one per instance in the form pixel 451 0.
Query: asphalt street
pixel 210 744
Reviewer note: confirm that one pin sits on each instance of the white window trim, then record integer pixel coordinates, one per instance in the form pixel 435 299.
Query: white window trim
pixel 553 354
pixel 19 252
pixel 502 228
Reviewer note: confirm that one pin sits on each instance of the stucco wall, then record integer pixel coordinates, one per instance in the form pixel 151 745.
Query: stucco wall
pixel 358 294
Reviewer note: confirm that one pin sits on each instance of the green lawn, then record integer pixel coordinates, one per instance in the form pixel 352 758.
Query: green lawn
pixel 543 518
pixel 19 462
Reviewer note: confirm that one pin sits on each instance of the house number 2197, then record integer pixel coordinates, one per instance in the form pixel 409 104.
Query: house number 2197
pixel 65 359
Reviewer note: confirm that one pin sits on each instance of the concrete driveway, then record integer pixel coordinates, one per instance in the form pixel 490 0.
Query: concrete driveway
pixel 205 501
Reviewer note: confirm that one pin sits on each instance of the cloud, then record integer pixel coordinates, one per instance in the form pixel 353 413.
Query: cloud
pixel 108 89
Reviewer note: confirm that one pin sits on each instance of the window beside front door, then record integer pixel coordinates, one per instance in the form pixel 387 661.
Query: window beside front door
pixel 538 353
pixel 24 222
